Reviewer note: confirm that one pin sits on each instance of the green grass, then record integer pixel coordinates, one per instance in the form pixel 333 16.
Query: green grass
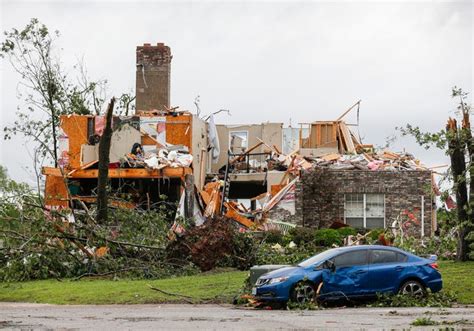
pixel 458 277
pixel 215 287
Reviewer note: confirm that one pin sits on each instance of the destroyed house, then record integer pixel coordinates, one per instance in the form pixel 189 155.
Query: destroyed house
pixel 261 176
pixel 328 179
pixel 352 184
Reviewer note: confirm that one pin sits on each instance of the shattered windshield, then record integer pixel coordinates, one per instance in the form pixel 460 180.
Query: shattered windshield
pixel 317 258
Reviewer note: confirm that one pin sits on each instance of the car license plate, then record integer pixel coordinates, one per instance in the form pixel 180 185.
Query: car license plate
pixel 254 291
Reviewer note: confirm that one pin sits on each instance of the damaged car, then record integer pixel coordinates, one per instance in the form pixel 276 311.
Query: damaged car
pixel 353 272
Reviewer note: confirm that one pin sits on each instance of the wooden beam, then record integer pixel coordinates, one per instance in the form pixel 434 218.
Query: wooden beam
pixel 233 214
pixel 50 171
pixel 123 173
pixel 347 111
pixel 242 156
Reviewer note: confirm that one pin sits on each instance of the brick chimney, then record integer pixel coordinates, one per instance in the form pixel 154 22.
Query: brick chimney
pixel 153 77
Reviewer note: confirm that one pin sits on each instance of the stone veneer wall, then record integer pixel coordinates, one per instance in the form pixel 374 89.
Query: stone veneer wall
pixel 320 195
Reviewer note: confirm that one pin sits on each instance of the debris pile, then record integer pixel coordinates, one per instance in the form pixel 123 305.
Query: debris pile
pixel 171 156
pixel 206 245
pixel 384 160
pixel 345 152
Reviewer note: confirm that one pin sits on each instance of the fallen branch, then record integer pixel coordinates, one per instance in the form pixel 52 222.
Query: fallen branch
pixel 184 297
pixel 90 274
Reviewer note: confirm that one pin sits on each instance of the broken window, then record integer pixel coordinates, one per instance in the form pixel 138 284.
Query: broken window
pixel 364 210
pixel 238 141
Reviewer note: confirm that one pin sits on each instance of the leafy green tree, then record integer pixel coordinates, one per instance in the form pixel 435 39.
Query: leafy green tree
pixel 12 195
pixel 45 87
pixel 457 141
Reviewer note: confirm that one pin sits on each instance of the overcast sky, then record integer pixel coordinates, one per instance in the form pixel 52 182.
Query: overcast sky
pixel 270 61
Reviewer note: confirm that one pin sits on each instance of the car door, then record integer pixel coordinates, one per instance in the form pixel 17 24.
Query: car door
pixel 350 275
pixel 385 268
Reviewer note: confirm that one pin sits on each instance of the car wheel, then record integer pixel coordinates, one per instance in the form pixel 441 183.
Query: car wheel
pixel 413 288
pixel 303 292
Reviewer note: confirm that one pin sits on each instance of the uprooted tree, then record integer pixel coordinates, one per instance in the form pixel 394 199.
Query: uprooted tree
pixel 458 143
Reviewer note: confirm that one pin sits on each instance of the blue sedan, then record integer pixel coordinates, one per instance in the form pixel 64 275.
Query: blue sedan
pixel 350 272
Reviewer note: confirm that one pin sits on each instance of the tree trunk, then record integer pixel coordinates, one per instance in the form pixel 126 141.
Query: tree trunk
pixel 53 124
pixel 458 168
pixel 467 136
pixel 189 196
pixel 103 178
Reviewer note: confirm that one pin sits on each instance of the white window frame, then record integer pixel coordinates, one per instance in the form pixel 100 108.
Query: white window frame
pixel 238 131
pixel 365 208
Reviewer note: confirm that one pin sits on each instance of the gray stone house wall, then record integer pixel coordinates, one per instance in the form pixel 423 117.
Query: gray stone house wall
pixel 320 195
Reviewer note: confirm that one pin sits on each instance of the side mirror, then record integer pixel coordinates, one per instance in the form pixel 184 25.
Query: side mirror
pixel 326 265
pixel 330 265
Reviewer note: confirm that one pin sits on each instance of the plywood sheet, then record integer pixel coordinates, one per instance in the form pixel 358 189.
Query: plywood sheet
pixel 75 127
pixel 55 192
pixel 346 135
pixel 179 130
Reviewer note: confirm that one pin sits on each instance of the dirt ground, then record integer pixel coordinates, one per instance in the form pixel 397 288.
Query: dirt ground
pixel 172 317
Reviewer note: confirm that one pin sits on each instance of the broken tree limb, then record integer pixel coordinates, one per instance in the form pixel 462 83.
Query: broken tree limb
pixel 104 159
pixel 184 297
pixel 91 274
pixel 189 196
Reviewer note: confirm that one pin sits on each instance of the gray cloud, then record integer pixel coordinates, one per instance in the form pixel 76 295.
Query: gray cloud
pixel 272 61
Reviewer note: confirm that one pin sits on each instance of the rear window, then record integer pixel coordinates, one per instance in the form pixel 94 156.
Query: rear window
pixel 402 257
pixel 358 257
pixel 386 256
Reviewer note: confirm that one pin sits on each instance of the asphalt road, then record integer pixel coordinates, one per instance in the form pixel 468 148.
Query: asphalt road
pixel 185 317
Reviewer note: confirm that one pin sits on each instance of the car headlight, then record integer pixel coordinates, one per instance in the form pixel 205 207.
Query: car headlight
pixel 278 280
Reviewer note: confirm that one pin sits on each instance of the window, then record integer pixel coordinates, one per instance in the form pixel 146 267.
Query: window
pixel 401 257
pixel 238 141
pixel 365 210
pixel 352 258
pixel 386 256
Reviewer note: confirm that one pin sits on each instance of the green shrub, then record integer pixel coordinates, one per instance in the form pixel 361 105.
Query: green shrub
pixel 265 254
pixel 444 246
pixel 300 235
pixel 274 236
pixel 373 236
pixel 328 237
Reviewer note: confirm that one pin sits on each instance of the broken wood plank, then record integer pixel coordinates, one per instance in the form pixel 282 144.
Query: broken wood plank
pixel 348 110
pixel 241 156
pixel 331 157
pixel 346 134
pixel 135 173
pixel 234 215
